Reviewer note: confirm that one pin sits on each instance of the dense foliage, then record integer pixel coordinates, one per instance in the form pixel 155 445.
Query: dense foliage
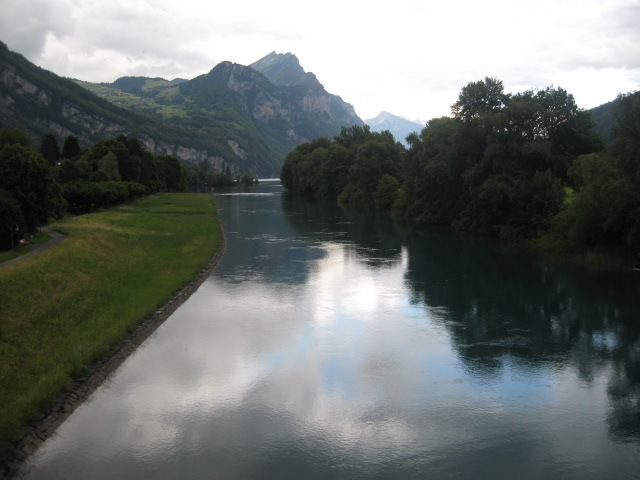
pixel 38 185
pixel 516 166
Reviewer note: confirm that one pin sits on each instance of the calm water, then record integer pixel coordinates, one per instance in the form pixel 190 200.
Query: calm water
pixel 334 345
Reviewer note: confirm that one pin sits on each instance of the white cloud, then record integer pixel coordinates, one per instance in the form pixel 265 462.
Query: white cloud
pixel 26 26
pixel 410 58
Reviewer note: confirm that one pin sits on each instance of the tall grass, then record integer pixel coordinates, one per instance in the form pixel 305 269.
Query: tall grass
pixel 64 308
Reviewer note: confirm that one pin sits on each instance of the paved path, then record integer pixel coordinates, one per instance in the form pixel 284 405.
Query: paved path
pixel 56 238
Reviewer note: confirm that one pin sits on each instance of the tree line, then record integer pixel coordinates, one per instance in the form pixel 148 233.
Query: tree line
pixel 201 177
pixel 43 182
pixel 517 166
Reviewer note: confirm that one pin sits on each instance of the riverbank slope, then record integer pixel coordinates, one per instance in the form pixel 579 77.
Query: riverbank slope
pixel 70 315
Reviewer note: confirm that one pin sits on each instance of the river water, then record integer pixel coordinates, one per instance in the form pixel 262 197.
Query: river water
pixel 331 344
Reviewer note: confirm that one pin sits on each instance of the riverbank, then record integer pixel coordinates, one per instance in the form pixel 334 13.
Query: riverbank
pixel 74 313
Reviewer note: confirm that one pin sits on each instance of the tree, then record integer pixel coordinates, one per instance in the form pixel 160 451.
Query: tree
pixel 131 165
pixel 103 147
pixel 11 220
pixel 134 146
pixel 49 149
pixel 109 165
pixel 433 171
pixel 28 178
pixel 13 137
pixel 71 147
pixel 68 171
pixel 549 128
pixel 353 135
pixel 479 100
pixel 247 180
pixel 605 210
pixel 333 174
pixel 173 173
pixel 303 165
pixel 386 193
pixel 377 156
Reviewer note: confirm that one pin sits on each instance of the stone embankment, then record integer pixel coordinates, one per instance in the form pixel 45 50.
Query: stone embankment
pixel 81 388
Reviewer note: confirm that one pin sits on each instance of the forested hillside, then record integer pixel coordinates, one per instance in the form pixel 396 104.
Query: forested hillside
pixel 517 166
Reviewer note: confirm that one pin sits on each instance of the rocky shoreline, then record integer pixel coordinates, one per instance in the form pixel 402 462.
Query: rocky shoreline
pixel 81 388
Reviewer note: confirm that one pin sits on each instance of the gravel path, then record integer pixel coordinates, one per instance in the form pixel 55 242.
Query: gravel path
pixel 56 238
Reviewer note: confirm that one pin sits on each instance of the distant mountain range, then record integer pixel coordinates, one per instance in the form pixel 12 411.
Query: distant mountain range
pixel 399 127
pixel 234 116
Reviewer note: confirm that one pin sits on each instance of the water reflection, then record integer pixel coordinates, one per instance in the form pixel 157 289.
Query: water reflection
pixel 504 305
pixel 333 344
pixel 508 306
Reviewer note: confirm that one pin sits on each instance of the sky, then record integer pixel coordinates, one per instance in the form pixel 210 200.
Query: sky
pixel 407 57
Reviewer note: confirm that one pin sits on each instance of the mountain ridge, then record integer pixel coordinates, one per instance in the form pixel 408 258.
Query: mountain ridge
pixel 231 117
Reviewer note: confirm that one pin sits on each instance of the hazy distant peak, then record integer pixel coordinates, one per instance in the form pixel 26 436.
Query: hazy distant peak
pixel 398 126
pixel 284 69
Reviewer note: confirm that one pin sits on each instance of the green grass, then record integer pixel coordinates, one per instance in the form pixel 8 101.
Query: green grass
pixel 16 252
pixel 39 237
pixel 65 308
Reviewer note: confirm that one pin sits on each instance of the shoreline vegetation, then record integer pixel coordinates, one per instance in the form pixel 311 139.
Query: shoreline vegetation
pixel 525 167
pixel 72 314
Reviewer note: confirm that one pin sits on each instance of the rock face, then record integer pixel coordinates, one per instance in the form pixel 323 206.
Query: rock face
pixel 285 70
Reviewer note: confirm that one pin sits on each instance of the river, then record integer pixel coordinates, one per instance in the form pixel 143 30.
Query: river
pixel 331 344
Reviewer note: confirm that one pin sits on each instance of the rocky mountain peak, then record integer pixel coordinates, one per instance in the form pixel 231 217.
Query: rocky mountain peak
pixel 284 69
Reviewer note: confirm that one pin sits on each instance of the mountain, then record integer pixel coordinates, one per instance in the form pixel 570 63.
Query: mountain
pixel 232 116
pixel 284 70
pixel 256 116
pixel 307 95
pixel 37 101
pixel 398 126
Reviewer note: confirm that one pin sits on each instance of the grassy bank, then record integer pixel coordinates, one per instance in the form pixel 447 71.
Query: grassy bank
pixel 63 309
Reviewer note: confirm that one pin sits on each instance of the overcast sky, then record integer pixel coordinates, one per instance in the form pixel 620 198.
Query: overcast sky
pixel 407 57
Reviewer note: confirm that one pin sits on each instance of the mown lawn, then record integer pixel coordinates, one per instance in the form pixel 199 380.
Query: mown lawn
pixel 65 308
